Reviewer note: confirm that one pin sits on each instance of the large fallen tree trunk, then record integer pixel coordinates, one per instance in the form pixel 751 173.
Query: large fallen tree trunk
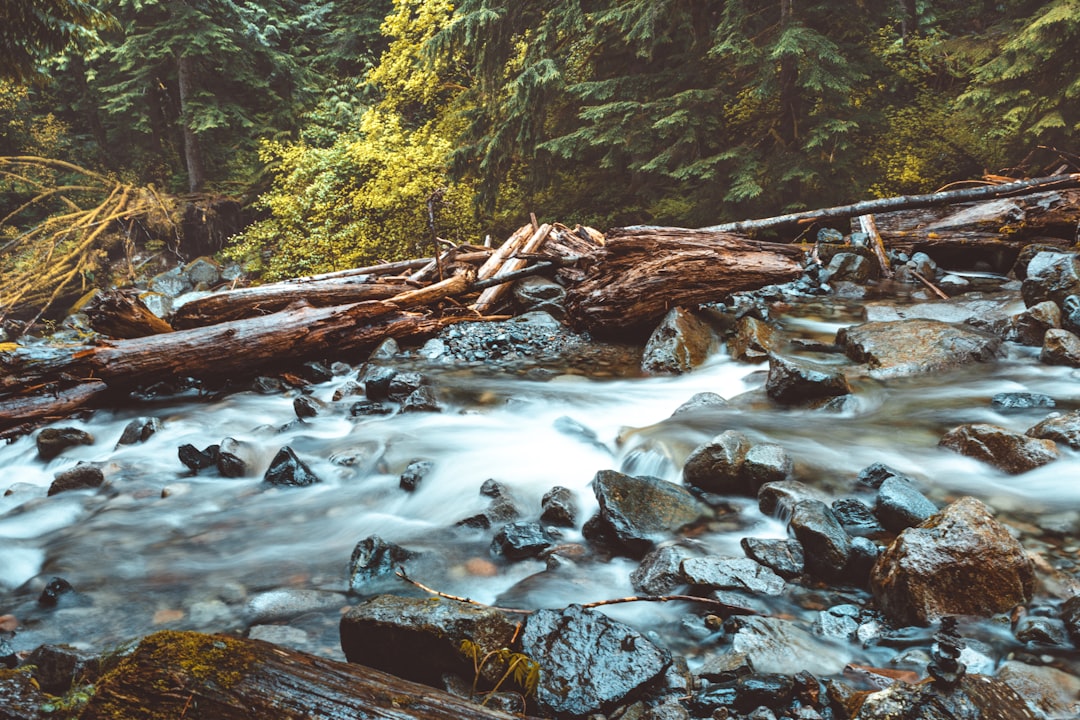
pixel 214 677
pixel 642 273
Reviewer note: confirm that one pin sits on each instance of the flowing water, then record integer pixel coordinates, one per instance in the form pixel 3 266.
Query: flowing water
pixel 161 548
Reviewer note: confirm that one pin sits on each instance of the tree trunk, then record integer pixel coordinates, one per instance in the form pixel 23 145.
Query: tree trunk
pixel 642 273
pixel 216 677
pixel 185 74
pixel 120 314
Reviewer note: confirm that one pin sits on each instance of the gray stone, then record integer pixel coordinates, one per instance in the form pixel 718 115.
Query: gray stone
pixel 171 283
pixel 157 303
pixel 414 472
pixel 1060 347
pixel 779 498
pixel 659 572
pixel 1008 401
pixel 1038 630
pixel 386 350
pixel 53 441
pixel 850 267
pixel 520 540
pixel 827 548
pixel 727 573
pixel 203 271
pixel 753 340
pixel 716 466
pixel 282 635
pixel 1051 276
pixel 838 622
pixel 285 604
pixel 680 343
pixel 558 507
pixel 422 399
pixel 857 518
pixel 375 559
pixel 976 697
pixel 773 645
pixel 765 463
pixel 288 470
pixel 701 402
pixel 784 557
pixel 794 382
pixel 1046 690
pixel 83 476
pixel 916 346
pixel 1030 326
pixel 900 505
pixel 1010 452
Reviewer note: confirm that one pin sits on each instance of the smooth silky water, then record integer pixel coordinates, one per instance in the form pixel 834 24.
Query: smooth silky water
pixel 160 548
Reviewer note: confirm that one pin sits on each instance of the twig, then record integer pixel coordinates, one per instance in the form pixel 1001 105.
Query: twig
pixel 931 286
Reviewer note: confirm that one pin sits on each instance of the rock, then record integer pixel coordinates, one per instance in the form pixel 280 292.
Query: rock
pixel 679 344
pixel 388 349
pixel 976 697
pixel 404 384
pixel 203 271
pixel 1046 690
pixel 159 304
pixel 502 509
pixel 1060 347
pixel 420 639
pixel 372 559
pixel 773 645
pixel 289 470
pixel 864 553
pixel 288 603
pixel 588 662
pixel 57 667
pixel 659 572
pixel 54 591
pixel 422 399
pixel 559 508
pixel 316 372
pixel 959 562
pixel 727 573
pixel 857 518
pixel 1038 630
pixel 520 540
pixel 195 459
pixel 849 267
pixel 701 401
pixel 872 476
pixel 784 557
pixel 1021 401
pixel 826 547
pixel 376 380
pixel 541 294
pixel 753 341
pixel 716 466
pixel 83 476
pixel 915 346
pixel 414 472
pixel 779 498
pixel 1009 452
pixel 765 463
pixel 364 408
pixel 634 511
pixel 53 441
pixel 1030 326
pixel 838 622
pixel 794 382
pixel 1070 615
pixel 953 285
pixel 1051 276
pixel 171 283
pixel 1059 428
pixel 348 389
pixel 1027 253
pixel 900 505
pixel 306 406
pixel 139 430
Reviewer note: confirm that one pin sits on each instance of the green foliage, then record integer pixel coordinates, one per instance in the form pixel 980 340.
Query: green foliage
pixel 524 670
pixel 33 30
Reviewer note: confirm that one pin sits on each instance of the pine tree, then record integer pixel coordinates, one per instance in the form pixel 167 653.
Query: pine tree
pixel 33 30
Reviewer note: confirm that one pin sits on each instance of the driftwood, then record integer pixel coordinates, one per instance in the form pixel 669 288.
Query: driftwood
pixel 489 298
pixel 214 677
pixel 641 274
pixel 121 314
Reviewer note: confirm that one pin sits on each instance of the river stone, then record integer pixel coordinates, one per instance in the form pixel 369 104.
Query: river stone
pixel 374 558
pixel 195 459
pixel 900 505
pixel 53 441
pixel 1051 276
pixel 287 469
pixel 1025 256
pixel 726 573
pixel 376 380
pixel 753 340
pixel 1046 689
pixel 420 638
pixel 558 507
pixel 792 382
pixel 826 546
pixel 850 267
pixel 660 570
pixel 422 399
pixel 1060 347
pixel 203 271
pixel 1070 615
pixel 171 283
pixel 305 406
pixel 778 498
pixel 520 540
pixel 315 371
pixel 1009 452
pixel 857 518
pixel 716 466
pixel 348 389
pixel 1040 630
pixel 916 346
pixel 783 557
pixel 414 472
pixel 404 384
pixel 774 645
pixel 872 476
pixel 386 350
pixel 139 430
pixel 588 662
pixel 765 463
pixel 679 344
pixel 1021 401
pixel 1059 428
pixel 977 697
pixel 83 476
pixel 959 562
pixel 157 303
pixel 288 603
pixel 57 667
pixel 634 511
pixel 1030 326
pixel 701 401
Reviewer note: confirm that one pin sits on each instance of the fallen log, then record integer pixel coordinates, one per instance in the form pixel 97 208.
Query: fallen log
pixel 641 274
pixel 121 314
pixel 215 677
pixel 490 296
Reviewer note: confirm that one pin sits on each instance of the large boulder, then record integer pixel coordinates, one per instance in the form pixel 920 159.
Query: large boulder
pixel 796 381
pixel 976 696
pixel 1008 451
pixel 1051 276
pixel 636 511
pixel 53 441
pixel 1062 428
pixel 959 562
pixel 588 662
pixel 726 573
pixel 1060 347
pixel 679 344
pixel 915 346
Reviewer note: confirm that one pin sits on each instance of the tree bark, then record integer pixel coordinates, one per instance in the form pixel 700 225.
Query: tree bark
pixel 642 273
pixel 215 677
pixel 120 314
pixel 185 78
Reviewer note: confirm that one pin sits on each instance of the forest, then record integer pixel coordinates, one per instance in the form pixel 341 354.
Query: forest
pixel 304 136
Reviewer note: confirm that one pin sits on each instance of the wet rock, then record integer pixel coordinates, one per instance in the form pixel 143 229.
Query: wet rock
pixel 701 401
pixel 753 341
pixel 316 372
pixel 849 267
pixel 234 458
pixel 716 466
pixel 857 518
pixel 779 498
pixel 520 540
pixel 953 285
pixel 374 558
pixel 53 441
pixel 588 662
pixel 83 476
pixel 1030 326
pixel 1047 690
pixel 54 591
pixel 420 639
pixel 1070 615
pixel 414 472
pixel 635 511
pixel 900 505
pixel 725 667
pixel 171 283
pixel 57 667
pixel 348 389
pixel 864 553
pixel 959 562
pixel 157 303
pixel 659 572
pixel 139 430
pixel 422 399
pixel 288 470
pixel 794 382
pixel 784 557
pixel 1039 630
pixel 839 622
pixel 267 385
pixel 773 645
pixel 827 548
pixel 1027 253
pixel 288 603
pixel 376 380
pixel 1009 452
pixel 1021 401
pixel 915 346
pixel 502 509
pixel 306 406
pixel 1059 428
pixel 679 344
pixel 404 384
pixel 195 459
pixel 874 475
pixel 366 408
pixel 386 350
pixel 559 508
pixel 726 573
pixel 976 696
pixel 765 463
pixel 1051 276
pixel 1060 347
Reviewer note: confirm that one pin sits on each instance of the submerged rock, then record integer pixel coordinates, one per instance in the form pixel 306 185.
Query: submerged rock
pixel 374 558
pixel 287 469
pixel 588 662
pixel 139 430
pixel 773 645
pixel 959 562
pixel 53 441
pixel 1007 451
pixel 793 382
pixel 915 346
pixel 1021 401
pixel 679 344
pixel 83 476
